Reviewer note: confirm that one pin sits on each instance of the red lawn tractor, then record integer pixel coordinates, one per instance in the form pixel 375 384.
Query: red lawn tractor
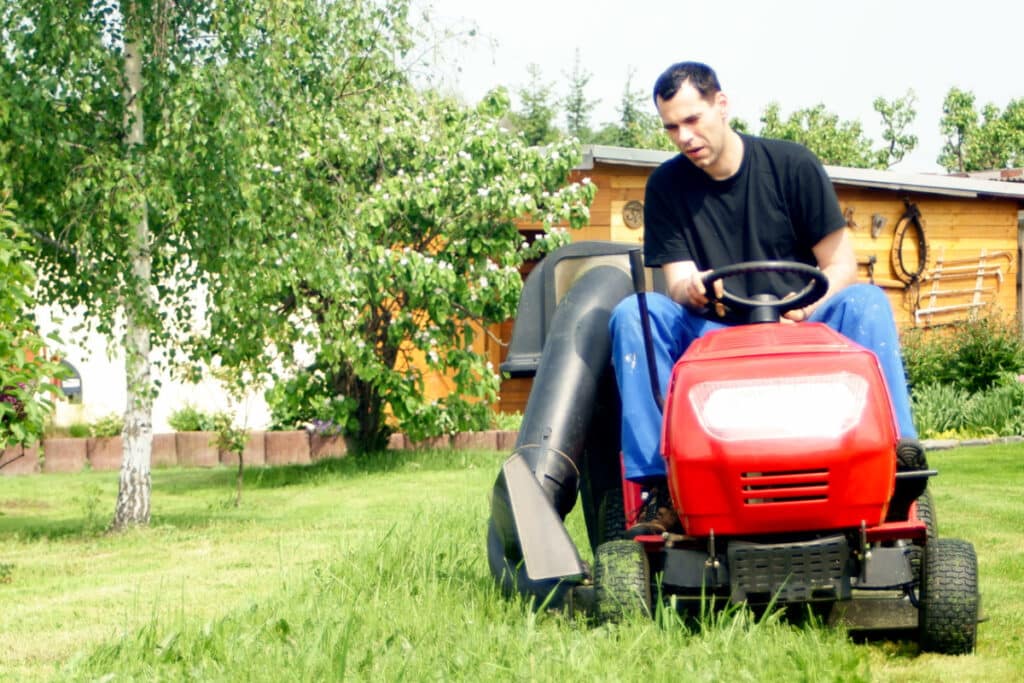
pixel 780 447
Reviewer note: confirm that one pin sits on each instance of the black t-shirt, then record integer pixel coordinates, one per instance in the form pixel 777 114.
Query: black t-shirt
pixel 776 207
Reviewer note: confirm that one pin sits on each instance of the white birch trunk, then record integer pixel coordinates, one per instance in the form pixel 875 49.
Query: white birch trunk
pixel 134 488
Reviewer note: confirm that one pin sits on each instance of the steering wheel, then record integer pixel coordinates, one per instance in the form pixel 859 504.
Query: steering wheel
pixel 767 307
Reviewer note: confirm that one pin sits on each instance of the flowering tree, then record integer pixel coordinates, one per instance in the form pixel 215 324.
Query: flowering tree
pixel 400 249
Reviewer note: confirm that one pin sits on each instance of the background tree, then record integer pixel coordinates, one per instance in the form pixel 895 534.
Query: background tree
pixel 638 125
pixel 958 124
pixel 403 247
pixel 577 106
pixel 835 142
pixel 535 118
pixel 897 115
pixel 994 142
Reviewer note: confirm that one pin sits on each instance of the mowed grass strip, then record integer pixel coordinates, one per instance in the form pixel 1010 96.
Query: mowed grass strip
pixel 374 568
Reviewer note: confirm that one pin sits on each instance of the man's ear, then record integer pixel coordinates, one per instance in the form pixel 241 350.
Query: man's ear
pixel 722 100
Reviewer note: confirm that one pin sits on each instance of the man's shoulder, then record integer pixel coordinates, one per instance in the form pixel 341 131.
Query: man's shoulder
pixel 672 169
pixel 781 150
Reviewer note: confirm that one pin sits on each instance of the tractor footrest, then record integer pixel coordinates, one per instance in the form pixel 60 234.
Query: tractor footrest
pixel 802 571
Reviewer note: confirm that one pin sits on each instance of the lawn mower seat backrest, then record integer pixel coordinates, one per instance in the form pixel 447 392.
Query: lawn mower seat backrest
pixel 545 287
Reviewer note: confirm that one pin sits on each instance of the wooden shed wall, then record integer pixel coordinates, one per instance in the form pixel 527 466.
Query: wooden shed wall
pixel 971 246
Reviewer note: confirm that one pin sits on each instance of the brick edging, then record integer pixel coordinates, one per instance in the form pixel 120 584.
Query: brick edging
pixel 192 449
pixel 947 444
pixel 261 450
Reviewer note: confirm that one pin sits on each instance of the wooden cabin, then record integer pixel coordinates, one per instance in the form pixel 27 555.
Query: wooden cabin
pixel 942 247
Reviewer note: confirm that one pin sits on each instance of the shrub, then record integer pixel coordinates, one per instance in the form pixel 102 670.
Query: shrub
pixel 308 400
pixel 78 430
pixel 229 437
pixel 191 419
pixel 972 355
pixel 507 421
pixel 939 410
pixel 997 411
pixel 107 426
pixel 925 354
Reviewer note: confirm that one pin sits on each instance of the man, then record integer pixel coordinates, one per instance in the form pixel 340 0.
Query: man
pixel 724 199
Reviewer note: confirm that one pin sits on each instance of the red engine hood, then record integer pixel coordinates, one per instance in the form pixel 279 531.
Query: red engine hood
pixel 773 483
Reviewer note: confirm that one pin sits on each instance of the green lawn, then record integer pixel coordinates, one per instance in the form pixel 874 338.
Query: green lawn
pixel 375 568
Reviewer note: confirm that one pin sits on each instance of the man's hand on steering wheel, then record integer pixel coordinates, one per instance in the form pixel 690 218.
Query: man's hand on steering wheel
pixel 794 307
pixel 695 291
pixel 797 315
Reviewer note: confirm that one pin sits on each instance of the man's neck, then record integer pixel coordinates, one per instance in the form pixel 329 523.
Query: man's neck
pixel 730 160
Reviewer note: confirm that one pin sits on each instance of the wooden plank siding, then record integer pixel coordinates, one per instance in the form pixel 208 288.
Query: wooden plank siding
pixel 961 231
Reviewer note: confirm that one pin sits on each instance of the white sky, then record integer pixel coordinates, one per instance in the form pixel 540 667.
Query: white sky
pixel 797 52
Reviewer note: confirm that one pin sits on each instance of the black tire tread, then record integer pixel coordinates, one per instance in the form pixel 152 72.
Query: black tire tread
pixel 949 597
pixel 611 518
pixel 622 581
pixel 926 513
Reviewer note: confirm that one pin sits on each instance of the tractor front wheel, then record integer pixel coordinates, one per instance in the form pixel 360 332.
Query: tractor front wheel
pixel 622 581
pixel 925 513
pixel 611 518
pixel 948 613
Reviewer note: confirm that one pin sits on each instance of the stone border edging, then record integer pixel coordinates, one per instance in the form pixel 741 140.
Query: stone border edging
pixel 195 449
pixel 946 444
pixel 288 448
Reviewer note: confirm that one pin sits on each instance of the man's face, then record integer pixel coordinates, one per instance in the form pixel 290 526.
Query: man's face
pixel 696 126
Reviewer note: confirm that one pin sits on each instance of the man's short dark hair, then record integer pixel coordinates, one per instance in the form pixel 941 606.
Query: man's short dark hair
pixel 701 76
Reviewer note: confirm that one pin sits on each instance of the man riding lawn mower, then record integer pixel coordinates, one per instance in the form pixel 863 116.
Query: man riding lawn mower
pixel 783 466
pixel 780 445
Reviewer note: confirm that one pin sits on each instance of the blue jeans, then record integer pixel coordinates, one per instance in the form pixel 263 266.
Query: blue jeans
pixel 859 312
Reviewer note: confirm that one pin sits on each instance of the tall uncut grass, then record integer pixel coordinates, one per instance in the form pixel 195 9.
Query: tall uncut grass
pixel 374 568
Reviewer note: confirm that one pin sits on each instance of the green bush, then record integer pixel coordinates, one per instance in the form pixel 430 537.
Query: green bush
pixel 997 411
pixel 191 419
pixel 939 410
pixel 78 430
pixel 229 437
pixel 507 421
pixel 972 355
pixel 309 401
pixel 107 426
pixel 946 411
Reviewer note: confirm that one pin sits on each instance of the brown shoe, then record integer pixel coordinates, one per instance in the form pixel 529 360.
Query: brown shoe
pixel 657 515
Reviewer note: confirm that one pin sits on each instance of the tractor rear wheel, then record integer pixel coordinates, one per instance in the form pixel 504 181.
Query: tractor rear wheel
pixel 622 581
pixel 948 613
